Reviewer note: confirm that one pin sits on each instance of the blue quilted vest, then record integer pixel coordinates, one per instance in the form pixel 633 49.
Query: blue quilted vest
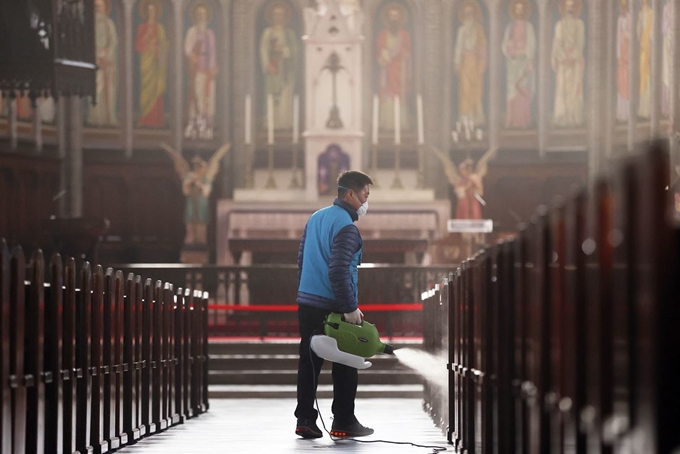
pixel 322 228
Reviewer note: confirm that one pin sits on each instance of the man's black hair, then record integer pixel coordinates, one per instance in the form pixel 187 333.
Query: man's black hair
pixel 352 179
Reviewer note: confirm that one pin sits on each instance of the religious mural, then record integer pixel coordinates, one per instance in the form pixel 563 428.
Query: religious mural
pixel 645 30
pixel 280 56
pixel 624 27
pixel 105 111
pixel 151 47
pixel 568 62
pixel 331 163
pixel 519 49
pixel 200 52
pixel 470 63
pixel 394 60
pixel 667 69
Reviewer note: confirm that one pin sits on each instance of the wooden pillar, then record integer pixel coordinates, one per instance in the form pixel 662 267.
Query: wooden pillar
pixel 596 76
pixel 544 70
pixel 37 127
pixel 61 153
pixel 178 76
pixel 72 163
pixel 657 68
pixel 495 67
pixel 224 98
pixel 13 133
pixel 634 75
pixel 127 85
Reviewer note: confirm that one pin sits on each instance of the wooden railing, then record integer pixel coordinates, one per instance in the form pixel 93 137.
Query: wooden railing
pixel 246 288
pixel 565 338
pixel 93 360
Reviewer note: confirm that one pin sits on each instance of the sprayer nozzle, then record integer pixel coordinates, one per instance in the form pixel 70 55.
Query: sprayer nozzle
pixel 389 350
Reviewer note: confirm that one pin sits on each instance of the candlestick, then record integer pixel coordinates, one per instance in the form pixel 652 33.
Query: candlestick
pixel 375 120
pixel 421 134
pixel 397 121
pixel 270 119
pixel 247 120
pixel 296 119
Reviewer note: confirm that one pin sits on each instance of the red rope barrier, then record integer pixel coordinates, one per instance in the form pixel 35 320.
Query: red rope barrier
pixel 293 308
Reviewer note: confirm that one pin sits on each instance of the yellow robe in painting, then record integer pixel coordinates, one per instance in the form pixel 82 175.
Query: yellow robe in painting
pixel 645 28
pixel 470 61
pixel 152 45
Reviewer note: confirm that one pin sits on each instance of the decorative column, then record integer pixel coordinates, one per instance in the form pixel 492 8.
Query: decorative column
pixel 495 68
pixel 370 8
pixel 609 12
pixel 596 75
pixel 443 139
pixel 543 74
pixel 675 90
pixel 127 85
pixel 178 76
pixel 224 100
pixel 657 69
pixel 634 76
pixel 242 83
pixel 436 64
pixel 13 132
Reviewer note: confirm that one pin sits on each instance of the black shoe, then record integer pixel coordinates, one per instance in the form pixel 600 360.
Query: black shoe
pixel 350 431
pixel 307 428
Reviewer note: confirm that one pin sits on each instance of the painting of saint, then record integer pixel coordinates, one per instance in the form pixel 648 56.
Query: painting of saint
pixel 201 55
pixel 151 44
pixel 645 29
pixel 394 57
pixel 331 164
pixel 279 55
pixel 623 37
pixel 519 48
pixel 470 62
pixel 568 63
pixel 667 68
pixel 105 111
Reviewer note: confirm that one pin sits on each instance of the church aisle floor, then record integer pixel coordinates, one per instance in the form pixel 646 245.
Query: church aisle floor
pixel 267 425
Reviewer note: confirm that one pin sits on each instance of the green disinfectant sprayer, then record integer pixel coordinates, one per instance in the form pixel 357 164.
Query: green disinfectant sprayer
pixel 348 344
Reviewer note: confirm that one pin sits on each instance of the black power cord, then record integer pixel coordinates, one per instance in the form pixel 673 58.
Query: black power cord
pixel 435 449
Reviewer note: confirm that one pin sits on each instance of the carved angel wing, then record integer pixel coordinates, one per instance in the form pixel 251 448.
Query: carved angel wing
pixel 214 163
pixel 450 168
pixel 182 167
pixel 482 165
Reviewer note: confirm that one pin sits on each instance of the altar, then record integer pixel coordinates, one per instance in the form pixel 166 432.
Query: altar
pixel 269 232
pixel 265 219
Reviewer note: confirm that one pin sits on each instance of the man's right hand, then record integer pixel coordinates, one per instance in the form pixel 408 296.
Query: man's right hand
pixel 355 317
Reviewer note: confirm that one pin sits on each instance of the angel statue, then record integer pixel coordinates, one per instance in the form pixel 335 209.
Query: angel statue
pixel 197 181
pixel 467 181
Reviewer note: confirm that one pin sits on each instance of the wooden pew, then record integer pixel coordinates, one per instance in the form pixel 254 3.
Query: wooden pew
pixel 108 368
pixel 17 378
pixel 6 413
pixel 83 360
pixel 74 350
pixel 98 441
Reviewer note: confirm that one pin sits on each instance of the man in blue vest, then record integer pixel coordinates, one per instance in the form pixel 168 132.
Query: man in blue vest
pixel 329 254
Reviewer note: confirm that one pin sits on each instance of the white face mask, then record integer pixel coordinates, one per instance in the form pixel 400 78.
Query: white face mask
pixel 363 209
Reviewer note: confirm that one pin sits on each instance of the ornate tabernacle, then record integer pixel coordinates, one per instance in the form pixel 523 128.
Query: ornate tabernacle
pixel 47 48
